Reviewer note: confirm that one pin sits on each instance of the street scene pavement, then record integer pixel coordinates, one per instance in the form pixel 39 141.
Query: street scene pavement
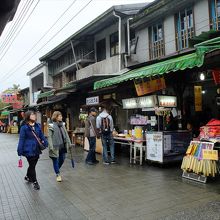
pixel 119 191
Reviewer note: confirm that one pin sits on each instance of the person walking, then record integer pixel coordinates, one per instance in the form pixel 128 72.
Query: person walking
pixel 91 133
pixel 29 146
pixel 59 142
pixel 105 125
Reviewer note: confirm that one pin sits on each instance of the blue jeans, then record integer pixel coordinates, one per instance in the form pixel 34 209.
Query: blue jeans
pixel 91 157
pixel 58 161
pixel 107 140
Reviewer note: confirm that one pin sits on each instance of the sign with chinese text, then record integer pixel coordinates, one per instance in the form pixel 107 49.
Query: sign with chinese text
pixel 92 100
pixel 198 98
pixel 210 154
pixel 154 146
pixel 129 103
pixel 146 87
pixel 9 98
pixel 167 101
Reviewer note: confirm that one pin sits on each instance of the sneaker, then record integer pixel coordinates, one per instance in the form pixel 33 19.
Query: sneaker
pixel 96 161
pixel 36 185
pixel 106 163
pixel 89 163
pixel 113 162
pixel 26 178
pixel 59 179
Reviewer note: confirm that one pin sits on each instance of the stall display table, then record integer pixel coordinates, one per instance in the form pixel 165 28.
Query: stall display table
pixel 134 145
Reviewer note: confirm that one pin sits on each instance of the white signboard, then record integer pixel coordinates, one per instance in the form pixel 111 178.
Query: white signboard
pixel 92 100
pixel 167 101
pixel 129 103
pixel 154 146
pixel 146 101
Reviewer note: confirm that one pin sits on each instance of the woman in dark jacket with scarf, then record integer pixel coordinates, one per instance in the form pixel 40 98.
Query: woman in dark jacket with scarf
pixel 28 145
pixel 59 142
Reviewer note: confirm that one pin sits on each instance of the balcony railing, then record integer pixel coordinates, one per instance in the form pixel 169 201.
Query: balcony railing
pixel 81 56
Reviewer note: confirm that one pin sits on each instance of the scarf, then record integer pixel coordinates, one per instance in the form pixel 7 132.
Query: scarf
pixel 59 135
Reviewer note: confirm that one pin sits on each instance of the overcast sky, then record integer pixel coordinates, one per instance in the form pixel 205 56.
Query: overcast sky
pixel 42 18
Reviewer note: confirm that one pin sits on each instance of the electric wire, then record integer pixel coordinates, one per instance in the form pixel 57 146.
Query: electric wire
pixel 9 74
pixel 68 8
pixel 19 30
pixel 16 24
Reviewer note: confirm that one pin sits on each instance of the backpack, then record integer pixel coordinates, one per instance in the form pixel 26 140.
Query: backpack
pixel 105 125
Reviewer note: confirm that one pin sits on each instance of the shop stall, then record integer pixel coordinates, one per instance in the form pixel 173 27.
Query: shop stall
pixel 163 141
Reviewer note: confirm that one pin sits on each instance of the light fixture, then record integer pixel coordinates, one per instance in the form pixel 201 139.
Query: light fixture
pixel 202 76
pixel 203 92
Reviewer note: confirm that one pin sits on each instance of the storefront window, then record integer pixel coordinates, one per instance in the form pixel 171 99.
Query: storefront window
pixel 114 44
pixel 156 41
pixel 215 14
pixel 184 28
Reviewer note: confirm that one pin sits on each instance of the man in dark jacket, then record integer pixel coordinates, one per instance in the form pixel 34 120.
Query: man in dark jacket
pixel 91 133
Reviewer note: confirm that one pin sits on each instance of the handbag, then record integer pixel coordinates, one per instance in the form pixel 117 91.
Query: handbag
pixel 41 145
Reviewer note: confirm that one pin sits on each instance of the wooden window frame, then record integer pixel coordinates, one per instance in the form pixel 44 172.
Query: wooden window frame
pixel 183 35
pixel 114 45
pixel 156 47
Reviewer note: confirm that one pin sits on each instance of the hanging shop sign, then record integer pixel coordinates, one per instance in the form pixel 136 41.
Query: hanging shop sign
pixel 147 101
pixel 216 76
pixel 198 98
pixel 92 100
pixel 9 98
pixel 145 87
pixel 129 103
pixel 167 101
pixel 141 102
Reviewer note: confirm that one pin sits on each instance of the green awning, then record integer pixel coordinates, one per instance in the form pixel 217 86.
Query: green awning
pixel 171 65
pixel 45 94
pixel 5 113
pixel 208 46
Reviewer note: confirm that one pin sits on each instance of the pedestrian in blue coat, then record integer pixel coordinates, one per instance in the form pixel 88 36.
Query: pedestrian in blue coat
pixel 29 147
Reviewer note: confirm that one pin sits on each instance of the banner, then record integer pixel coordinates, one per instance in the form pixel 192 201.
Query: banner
pixel 146 87
pixel 198 98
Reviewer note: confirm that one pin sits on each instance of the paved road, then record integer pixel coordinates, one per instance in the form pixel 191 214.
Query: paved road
pixel 100 192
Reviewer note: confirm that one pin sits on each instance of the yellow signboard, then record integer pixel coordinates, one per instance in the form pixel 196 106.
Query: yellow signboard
pixel 210 154
pixel 198 98
pixel 147 87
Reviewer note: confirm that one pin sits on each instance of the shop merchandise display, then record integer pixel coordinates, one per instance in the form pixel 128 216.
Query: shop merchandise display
pixel 211 131
pixel 201 159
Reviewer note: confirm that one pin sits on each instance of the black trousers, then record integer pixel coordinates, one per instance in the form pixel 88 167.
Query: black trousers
pixel 31 171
